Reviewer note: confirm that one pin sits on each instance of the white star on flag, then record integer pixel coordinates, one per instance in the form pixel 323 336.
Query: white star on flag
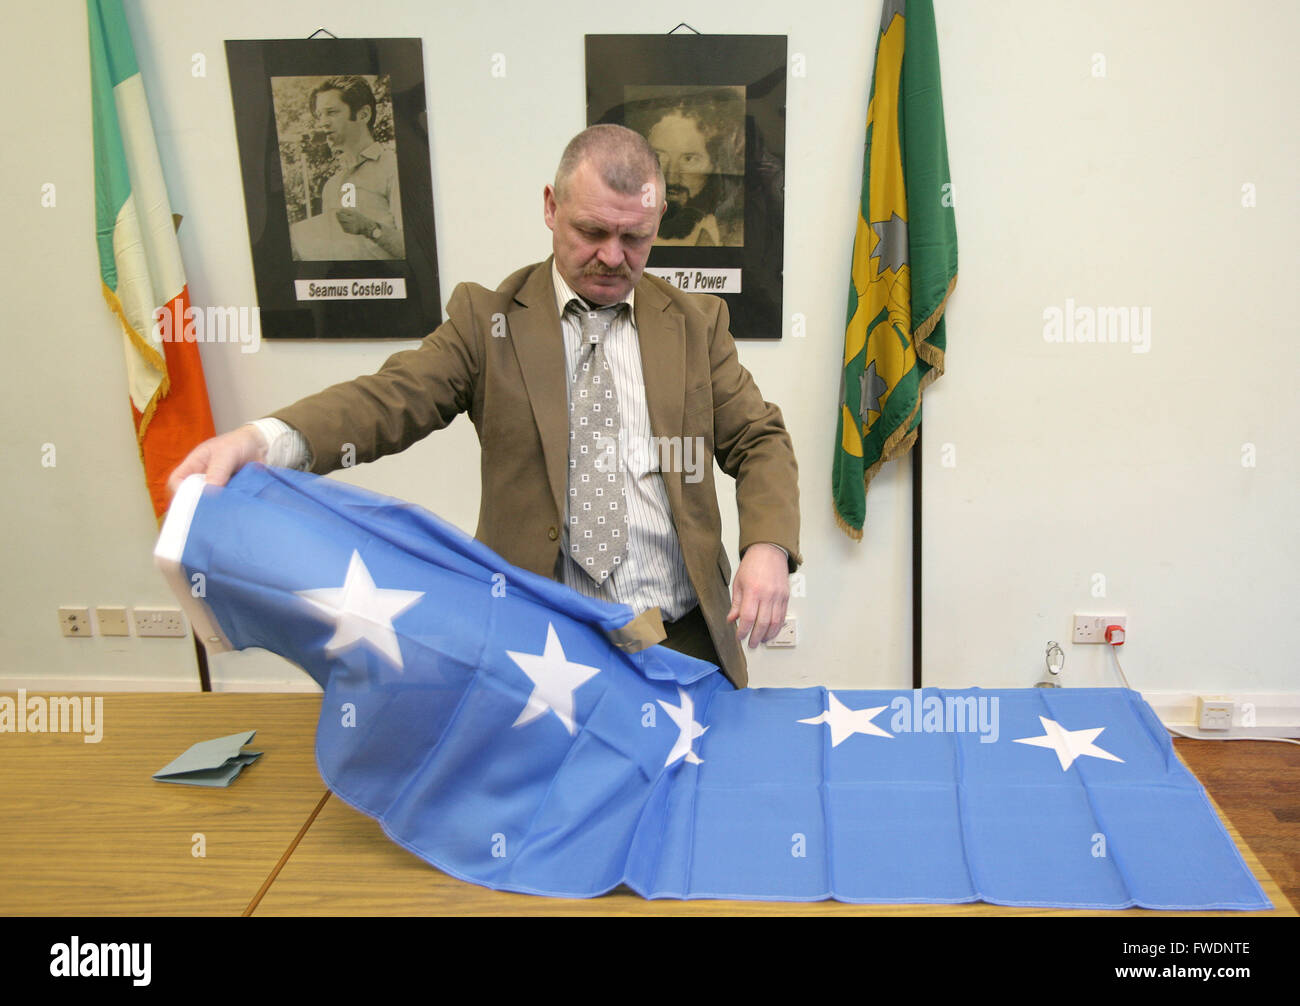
pixel 844 722
pixel 555 678
pixel 684 717
pixel 1068 744
pixel 362 612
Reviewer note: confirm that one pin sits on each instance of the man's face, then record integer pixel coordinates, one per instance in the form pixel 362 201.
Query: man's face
pixel 334 116
pixel 683 155
pixel 601 238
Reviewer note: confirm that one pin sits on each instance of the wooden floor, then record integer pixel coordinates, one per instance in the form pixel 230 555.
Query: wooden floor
pixel 1257 786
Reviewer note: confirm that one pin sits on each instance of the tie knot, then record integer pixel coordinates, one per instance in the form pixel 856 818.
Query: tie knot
pixel 595 321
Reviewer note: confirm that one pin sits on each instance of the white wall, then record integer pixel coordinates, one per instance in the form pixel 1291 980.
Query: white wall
pixel 1072 462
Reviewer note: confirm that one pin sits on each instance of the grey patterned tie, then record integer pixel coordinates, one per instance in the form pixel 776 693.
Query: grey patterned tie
pixel 597 503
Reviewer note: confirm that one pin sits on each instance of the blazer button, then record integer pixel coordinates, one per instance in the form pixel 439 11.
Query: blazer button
pixel 553 533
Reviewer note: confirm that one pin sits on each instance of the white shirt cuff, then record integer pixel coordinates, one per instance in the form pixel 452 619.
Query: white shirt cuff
pixel 285 446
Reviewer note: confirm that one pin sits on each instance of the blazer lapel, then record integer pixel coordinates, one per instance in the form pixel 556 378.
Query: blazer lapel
pixel 661 335
pixel 539 346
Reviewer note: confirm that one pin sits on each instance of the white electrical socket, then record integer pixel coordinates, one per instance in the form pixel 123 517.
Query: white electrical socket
pixel 75 621
pixel 159 622
pixel 1214 712
pixel 112 620
pixel 787 635
pixel 1092 628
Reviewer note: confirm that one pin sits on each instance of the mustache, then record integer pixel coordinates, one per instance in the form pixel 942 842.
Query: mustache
pixel 622 272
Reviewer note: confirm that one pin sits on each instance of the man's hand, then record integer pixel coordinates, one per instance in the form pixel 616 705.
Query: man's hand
pixel 220 457
pixel 355 222
pixel 759 593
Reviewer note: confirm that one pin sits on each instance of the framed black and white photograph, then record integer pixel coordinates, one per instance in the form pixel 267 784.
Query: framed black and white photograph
pixel 713 109
pixel 334 154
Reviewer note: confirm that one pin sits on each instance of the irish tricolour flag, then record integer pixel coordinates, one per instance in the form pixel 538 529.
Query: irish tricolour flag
pixel 139 259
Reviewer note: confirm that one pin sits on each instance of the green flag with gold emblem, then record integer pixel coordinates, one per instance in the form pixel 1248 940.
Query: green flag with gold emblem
pixel 904 260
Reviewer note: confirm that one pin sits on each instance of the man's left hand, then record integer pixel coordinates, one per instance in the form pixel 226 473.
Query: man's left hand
pixel 355 223
pixel 760 591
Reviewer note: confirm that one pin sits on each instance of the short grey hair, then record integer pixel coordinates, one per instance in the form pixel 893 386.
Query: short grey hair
pixel 623 158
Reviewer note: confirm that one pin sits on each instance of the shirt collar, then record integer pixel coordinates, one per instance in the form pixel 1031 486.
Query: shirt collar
pixel 370 153
pixel 564 293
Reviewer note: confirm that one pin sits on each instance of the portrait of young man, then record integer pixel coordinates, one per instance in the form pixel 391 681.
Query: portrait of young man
pixel 358 214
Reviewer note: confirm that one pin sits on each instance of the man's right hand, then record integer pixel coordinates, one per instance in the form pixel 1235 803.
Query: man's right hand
pixel 220 457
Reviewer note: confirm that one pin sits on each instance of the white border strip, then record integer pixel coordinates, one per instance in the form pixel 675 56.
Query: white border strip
pixel 1276 714
pixel 167 557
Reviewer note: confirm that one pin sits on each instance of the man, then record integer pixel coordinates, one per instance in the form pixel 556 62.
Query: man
pixel 363 196
pixel 703 184
pixel 520 360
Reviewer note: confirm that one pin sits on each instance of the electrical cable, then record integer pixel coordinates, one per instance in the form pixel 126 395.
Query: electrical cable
pixel 1114 652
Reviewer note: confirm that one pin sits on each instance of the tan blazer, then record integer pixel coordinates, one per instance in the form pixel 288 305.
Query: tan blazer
pixel 499 356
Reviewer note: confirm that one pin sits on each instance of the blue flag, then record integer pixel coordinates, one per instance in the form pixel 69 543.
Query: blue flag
pixel 498 726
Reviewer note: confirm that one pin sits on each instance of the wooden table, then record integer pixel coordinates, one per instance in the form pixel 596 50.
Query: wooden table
pixel 84 830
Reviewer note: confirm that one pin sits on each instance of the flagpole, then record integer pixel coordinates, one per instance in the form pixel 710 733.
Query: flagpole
pixel 201 655
pixel 916 559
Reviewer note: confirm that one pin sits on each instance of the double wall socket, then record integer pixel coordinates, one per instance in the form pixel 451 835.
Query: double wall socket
pixel 159 622
pixel 1092 628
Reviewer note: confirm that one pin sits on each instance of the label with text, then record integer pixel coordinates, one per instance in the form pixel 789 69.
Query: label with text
pixel 701 280
pixel 384 288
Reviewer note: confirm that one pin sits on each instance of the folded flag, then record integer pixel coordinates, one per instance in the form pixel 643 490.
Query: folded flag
pixel 498 726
